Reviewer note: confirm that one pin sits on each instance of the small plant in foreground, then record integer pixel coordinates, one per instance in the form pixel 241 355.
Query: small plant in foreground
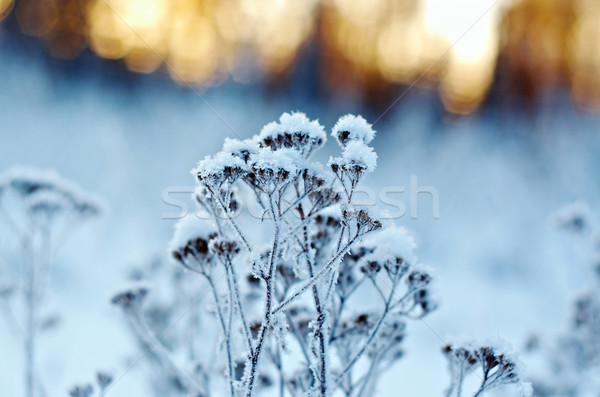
pixel 491 360
pixel 573 360
pixel 39 210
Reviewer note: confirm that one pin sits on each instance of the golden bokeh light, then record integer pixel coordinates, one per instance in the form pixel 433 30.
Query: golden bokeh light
pixel 456 46
pixel 471 51
pixel 5 8
pixel 130 29
pixel 194 50
pixel 584 59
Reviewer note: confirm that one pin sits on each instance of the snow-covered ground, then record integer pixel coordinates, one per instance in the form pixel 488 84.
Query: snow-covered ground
pixel 502 270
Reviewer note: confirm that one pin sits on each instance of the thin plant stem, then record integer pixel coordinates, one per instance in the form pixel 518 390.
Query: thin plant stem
pixel 308 284
pixel 270 281
pixel 226 332
pixel 238 300
pixel 368 341
pixel 161 352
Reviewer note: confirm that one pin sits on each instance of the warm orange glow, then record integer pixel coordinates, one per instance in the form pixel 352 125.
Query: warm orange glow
pixel 371 44
pixel 472 45
pixel 194 55
pixel 130 29
pixel 5 8
pixel 410 41
pixel 584 53
pixel 400 49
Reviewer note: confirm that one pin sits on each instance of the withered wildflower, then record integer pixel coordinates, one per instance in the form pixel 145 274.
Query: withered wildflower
pixel 41 210
pixel 298 290
pixel 130 298
pixel 351 128
pixel 293 131
pixel 223 168
pixel 497 363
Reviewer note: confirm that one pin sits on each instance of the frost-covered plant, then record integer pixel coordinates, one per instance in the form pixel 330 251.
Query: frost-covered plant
pixel 492 363
pixel 309 298
pixel 39 210
pixel 574 359
pixel 152 320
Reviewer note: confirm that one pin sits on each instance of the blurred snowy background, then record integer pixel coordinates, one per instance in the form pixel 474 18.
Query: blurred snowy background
pixel 504 125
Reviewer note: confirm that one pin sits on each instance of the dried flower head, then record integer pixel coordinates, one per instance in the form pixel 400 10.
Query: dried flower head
pixel 293 131
pixel 273 168
pixel 191 239
pixel 357 159
pixel 217 170
pixel 131 297
pixel 224 248
pixel 362 219
pixel 241 149
pixel 351 128
pixel 499 365
pixel 47 194
pixel 418 278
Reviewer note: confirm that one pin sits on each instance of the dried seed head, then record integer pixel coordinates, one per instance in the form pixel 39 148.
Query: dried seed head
pixel 240 149
pixel 396 267
pixel 371 268
pixel 365 223
pixel 424 302
pixel 293 131
pixel 225 248
pixel 273 168
pixel 323 198
pixel 418 279
pixel 356 160
pixel 192 239
pixel 494 358
pixel 131 297
pixel 220 169
pixel 47 194
pixel 352 128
